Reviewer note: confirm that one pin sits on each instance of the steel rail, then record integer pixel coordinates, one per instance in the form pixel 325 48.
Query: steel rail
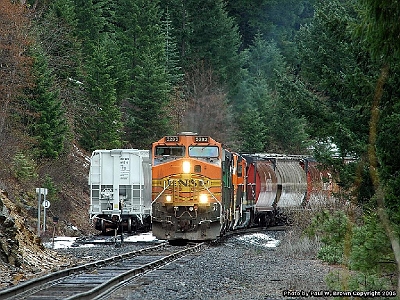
pixel 113 284
pixel 37 282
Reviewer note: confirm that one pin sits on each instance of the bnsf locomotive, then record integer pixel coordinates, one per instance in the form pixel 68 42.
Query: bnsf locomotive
pixel 200 190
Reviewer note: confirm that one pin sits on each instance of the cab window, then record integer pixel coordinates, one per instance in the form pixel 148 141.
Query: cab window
pixel 170 151
pixel 203 151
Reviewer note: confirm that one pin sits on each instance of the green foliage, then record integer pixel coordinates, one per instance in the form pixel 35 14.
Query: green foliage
pixel 252 132
pixel 172 60
pixel 265 61
pixel 358 282
pixel 370 255
pixel 47 117
pixel 51 187
pixel 332 254
pixel 380 27
pixel 143 45
pixel 277 124
pixel 276 20
pixel 388 148
pixel 23 167
pixel 102 125
pixel 146 119
pixel 205 33
pixel 331 228
pixel 371 250
pixel 338 68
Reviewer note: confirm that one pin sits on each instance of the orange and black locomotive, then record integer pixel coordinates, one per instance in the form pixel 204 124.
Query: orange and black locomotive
pixel 197 187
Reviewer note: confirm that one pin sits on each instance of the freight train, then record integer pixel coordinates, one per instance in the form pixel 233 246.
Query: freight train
pixel 200 190
pixel 120 190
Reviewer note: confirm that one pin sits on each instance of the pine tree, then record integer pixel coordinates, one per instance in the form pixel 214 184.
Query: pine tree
pixel 340 74
pixel 142 43
pixel 176 104
pixel 252 134
pixel 206 35
pixel 48 124
pixel 280 126
pixel 102 121
pixel 55 28
pixel 172 61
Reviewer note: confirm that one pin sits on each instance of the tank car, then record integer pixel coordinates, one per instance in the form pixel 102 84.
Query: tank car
pixel 120 190
pixel 276 182
pixel 197 188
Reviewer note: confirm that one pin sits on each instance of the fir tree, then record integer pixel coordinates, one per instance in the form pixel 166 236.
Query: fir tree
pixel 206 35
pixel 102 121
pixel 48 124
pixel 142 44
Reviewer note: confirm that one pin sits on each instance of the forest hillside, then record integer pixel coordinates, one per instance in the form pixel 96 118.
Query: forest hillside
pixel 290 76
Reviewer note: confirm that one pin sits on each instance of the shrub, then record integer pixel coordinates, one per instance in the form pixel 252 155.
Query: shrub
pixel 331 228
pixel 371 250
pixel 331 254
pixel 23 167
pixel 345 281
pixel 52 190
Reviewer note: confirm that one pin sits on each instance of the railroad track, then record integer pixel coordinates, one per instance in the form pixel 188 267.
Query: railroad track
pixel 97 279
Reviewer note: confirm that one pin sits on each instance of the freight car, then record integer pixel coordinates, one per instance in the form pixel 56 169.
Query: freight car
pixel 120 190
pixel 201 190
pixel 277 182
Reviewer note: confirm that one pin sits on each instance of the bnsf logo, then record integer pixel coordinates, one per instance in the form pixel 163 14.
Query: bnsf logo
pixel 187 182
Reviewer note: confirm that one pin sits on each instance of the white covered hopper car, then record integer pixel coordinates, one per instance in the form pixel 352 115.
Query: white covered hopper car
pixel 120 190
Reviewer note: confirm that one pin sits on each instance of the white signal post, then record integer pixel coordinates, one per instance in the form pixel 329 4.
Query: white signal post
pixel 46 204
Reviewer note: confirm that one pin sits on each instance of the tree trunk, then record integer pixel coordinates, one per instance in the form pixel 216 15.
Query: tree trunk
pixel 379 190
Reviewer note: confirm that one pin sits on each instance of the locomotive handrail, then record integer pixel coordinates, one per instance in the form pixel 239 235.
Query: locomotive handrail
pixel 212 194
pixel 159 195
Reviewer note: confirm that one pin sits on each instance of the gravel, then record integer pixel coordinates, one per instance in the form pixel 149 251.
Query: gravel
pixel 250 267
pixel 237 269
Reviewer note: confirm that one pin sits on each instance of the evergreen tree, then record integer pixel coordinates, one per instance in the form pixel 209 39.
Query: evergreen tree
pixel 142 43
pixel 281 126
pixel 380 29
pixel 145 117
pixel 252 134
pixel 105 75
pixel 172 61
pixel 275 20
pixel 55 27
pixel 90 21
pixel 102 121
pixel 47 123
pixel 176 105
pixel 206 35
pixel 339 73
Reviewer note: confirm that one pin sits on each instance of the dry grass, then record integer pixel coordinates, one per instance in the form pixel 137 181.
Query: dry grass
pixel 296 243
pixel 300 246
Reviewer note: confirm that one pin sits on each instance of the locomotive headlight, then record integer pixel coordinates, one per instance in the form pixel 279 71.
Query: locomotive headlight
pixel 168 198
pixel 186 167
pixel 203 198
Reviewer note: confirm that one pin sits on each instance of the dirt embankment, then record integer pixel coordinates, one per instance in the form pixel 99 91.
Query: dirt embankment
pixel 22 255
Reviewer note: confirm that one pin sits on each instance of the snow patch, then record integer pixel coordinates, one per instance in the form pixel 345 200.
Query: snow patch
pixel 259 239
